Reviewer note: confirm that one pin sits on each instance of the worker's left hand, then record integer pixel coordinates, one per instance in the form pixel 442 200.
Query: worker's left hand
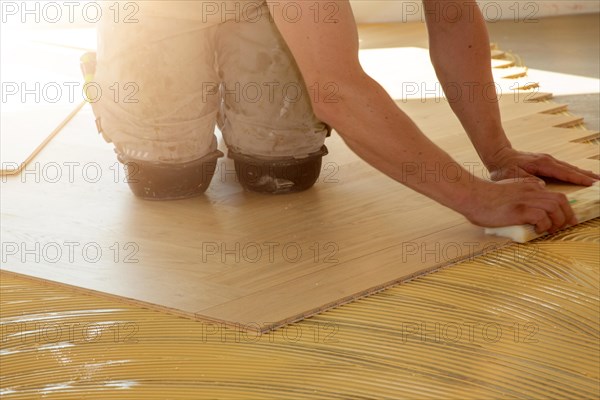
pixel 509 163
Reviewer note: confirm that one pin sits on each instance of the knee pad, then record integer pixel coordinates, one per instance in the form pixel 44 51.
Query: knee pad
pixel 277 176
pixel 159 181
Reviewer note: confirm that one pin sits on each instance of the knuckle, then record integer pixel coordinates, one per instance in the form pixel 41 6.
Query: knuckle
pixel 561 198
pixel 538 216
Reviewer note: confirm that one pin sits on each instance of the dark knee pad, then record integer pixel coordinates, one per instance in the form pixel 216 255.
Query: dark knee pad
pixel 160 181
pixel 278 176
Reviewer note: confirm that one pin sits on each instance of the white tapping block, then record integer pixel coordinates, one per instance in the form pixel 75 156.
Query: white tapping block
pixel 585 204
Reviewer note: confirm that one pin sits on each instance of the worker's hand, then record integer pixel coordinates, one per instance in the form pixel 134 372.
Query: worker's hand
pixel 519 202
pixel 512 164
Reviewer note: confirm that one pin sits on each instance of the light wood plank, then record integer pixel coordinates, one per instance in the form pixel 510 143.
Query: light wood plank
pixel 358 230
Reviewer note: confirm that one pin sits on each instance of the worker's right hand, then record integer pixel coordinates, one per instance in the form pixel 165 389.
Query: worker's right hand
pixel 519 202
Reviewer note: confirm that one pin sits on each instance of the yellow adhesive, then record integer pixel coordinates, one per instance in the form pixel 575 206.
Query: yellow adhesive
pixel 521 322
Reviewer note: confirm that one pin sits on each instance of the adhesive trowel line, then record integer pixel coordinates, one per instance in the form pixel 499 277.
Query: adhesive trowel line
pixel 585 204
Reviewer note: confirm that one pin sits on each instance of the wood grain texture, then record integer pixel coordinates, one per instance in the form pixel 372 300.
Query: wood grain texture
pixel 42 91
pixel 19 149
pixel 520 322
pixel 244 258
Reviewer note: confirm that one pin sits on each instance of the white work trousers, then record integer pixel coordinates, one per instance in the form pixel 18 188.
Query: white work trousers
pixel 171 70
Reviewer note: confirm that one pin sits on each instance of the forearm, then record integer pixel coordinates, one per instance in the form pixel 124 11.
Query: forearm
pixel 376 129
pixel 379 132
pixel 460 53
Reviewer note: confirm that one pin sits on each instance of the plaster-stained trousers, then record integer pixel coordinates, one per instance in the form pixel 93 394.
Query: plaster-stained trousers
pixel 180 67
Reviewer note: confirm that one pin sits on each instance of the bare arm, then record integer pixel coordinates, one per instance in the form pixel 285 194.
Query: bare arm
pixel 362 112
pixel 460 53
pixel 375 128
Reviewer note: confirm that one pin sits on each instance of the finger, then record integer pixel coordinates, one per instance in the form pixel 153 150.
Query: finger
pixel 515 174
pixel 563 202
pixel 585 172
pixel 530 179
pixel 564 173
pixel 539 219
pixel 556 206
pixel 568 174
pixel 555 212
